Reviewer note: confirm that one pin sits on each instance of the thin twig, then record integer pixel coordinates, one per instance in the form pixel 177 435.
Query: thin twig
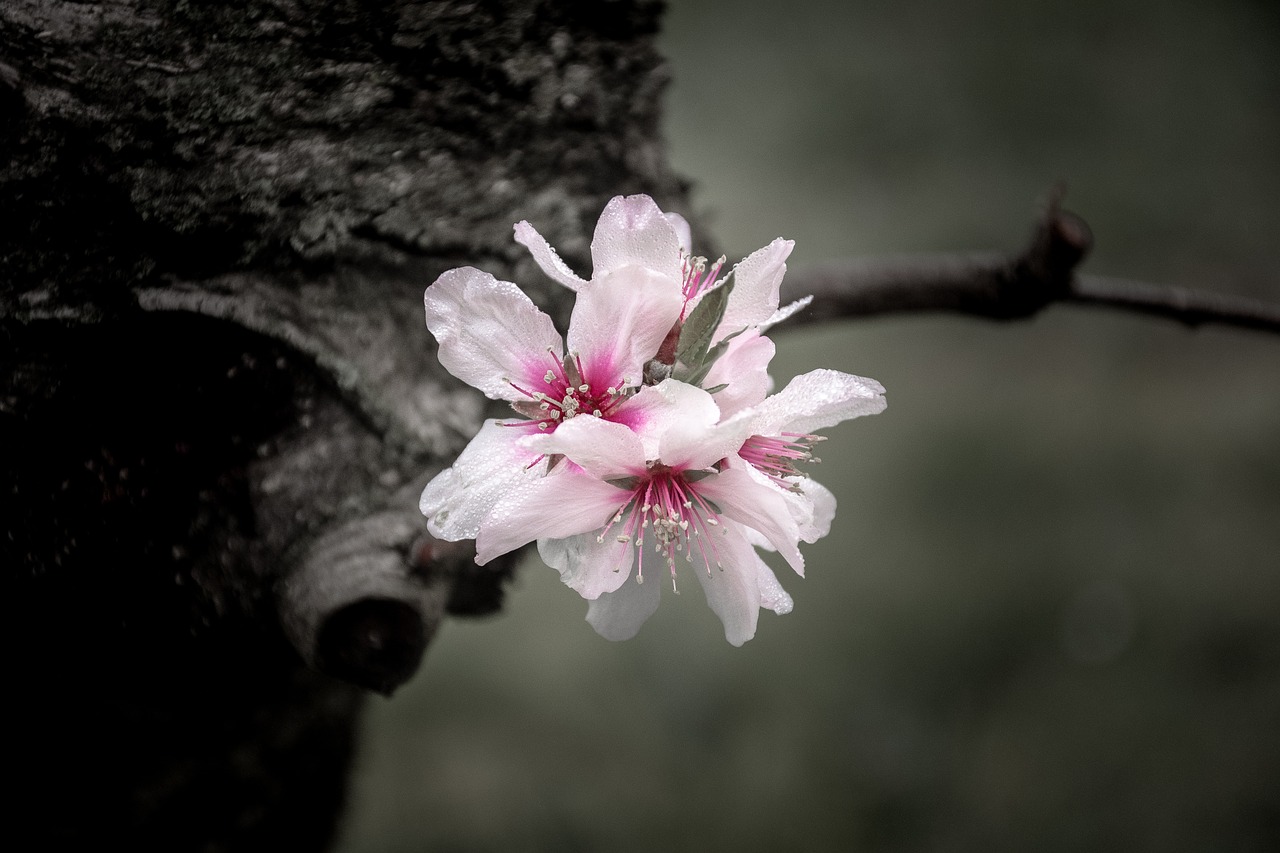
pixel 1009 288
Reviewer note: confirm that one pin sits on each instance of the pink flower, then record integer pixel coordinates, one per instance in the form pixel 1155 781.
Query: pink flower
pixel 782 437
pixel 494 338
pixel 622 465
pixel 727 335
pixel 648 499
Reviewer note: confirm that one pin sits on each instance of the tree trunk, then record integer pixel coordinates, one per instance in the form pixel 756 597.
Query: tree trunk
pixel 220 401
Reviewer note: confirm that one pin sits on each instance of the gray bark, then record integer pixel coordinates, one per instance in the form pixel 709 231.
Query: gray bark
pixel 219 398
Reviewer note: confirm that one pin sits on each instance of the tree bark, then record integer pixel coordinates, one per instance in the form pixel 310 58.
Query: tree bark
pixel 220 401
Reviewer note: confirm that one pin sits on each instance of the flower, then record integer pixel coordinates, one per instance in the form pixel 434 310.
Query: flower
pixel 644 284
pixel 657 491
pixel 649 433
pixel 495 339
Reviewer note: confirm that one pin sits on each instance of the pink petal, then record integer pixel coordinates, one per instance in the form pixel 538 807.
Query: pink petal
pixel 818 399
pixel 813 508
pixel 619 322
pixel 633 231
pixel 668 406
pixel 772 595
pixel 490 332
pixel 748 502
pixel 683 233
pixel 733 587
pixel 546 258
pixel 588 565
pixel 458 500
pixel 743 368
pixel 785 312
pixel 618 615
pixel 564 503
pixel 758 279
pixel 605 450
pixel 688 446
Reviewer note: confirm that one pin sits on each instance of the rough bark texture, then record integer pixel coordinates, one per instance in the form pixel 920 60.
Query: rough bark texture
pixel 219 401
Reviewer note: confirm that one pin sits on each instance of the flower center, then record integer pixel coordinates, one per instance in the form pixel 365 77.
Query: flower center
pixel 567 395
pixel 697 277
pixel 665 510
pixel 777 456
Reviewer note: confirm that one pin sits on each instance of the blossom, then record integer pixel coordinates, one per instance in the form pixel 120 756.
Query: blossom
pixel 494 338
pixel 783 434
pixel 653 493
pixel 648 439
pixel 644 284
pixel 721 319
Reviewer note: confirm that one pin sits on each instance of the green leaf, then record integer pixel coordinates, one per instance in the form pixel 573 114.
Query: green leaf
pixel 701 324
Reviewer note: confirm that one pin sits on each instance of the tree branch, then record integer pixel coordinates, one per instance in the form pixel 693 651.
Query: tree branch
pixel 1009 288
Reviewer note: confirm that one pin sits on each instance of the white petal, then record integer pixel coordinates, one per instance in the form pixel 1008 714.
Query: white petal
pixel 744 370
pixel 733 587
pixel 758 279
pixel 619 322
pixel 813 508
pixel 683 233
pixel 785 312
pixel 689 446
pixel 668 406
pixel 748 502
pixel 588 565
pixel 563 503
pixel 490 332
pixel 618 615
pixel 605 450
pixel 820 398
pixel 633 231
pixel 459 499
pixel 772 595
pixel 546 258
pixel 822 509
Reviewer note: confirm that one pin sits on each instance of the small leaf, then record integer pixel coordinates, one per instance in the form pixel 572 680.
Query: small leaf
pixel 702 322
pixel 717 389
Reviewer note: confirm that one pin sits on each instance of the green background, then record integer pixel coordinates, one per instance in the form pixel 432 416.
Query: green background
pixel 1048 616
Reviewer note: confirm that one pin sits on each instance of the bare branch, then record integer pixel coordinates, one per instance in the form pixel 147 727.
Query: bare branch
pixel 1009 288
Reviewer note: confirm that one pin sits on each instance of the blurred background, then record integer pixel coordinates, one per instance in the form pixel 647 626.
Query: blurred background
pixel 1048 617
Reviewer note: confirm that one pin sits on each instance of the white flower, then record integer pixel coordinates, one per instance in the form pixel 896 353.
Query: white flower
pixel 648 441
pixel 634 232
pixel 652 497
pixel 782 436
pixel 494 338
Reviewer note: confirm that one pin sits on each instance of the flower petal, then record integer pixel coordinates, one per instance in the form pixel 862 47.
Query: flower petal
pixel 546 258
pixel 822 509
pixel 743 369
pixel 820 398
pixel 733 586
pixel 785 312
pixel 633 231
pixel 459 499
pixel 758 279
pixel 618 615
pixel 755 505
pixel 564 503
pixel 683 232
pixel 588 563
pixel 489 332
pixel 605 450
pixel 813 507
pixel 669 406
pixel 619 322
pixel 772 595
